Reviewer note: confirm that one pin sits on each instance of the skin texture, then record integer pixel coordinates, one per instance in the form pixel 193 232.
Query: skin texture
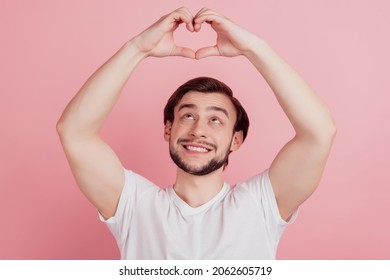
pixel 203 121
pixel 296 170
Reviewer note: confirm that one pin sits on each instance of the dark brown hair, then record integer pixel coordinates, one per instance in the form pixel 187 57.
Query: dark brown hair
pixel 207 85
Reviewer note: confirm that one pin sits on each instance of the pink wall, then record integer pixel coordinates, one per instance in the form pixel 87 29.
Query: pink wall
pixel 49 48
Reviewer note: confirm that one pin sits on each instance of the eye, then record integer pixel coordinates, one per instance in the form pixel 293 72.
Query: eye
pixel 188 116
pixel 216 120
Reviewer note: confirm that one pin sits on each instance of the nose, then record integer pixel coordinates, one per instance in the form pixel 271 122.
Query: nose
pixel 198 130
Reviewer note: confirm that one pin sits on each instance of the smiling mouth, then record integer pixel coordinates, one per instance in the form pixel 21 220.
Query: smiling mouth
pixel 196 149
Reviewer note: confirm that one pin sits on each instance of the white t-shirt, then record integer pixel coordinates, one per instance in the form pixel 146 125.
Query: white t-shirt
pixel 240 222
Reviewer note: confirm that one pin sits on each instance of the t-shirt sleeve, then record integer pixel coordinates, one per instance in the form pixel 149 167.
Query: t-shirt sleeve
pixel 134 188
pixel 261 189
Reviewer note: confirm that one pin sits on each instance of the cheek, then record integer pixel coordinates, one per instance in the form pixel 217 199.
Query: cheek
pixel 176 132
pixel 179 129
pixel 228 138
pixel 222 140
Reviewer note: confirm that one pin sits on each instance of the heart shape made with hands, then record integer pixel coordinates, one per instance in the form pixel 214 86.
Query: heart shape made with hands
pixel 230 41
pixel 158 40
pixel 198 40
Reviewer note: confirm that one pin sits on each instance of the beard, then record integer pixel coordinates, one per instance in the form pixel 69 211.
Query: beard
pixel 214 164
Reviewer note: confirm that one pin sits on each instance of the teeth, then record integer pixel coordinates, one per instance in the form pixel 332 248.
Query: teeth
pixel 197 149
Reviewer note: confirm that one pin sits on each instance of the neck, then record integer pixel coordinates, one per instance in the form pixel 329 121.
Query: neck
pixel 197 190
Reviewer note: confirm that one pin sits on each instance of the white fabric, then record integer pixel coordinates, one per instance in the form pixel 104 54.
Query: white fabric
pixel 240 222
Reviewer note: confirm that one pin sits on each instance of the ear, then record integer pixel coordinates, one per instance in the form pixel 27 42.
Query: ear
pixel 167 130
pixel 237 140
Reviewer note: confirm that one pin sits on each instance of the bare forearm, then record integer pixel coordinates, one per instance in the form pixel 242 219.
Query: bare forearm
pixel 309 116
pixel 87 111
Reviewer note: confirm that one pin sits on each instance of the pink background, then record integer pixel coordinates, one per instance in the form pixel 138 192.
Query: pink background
pixel 49 48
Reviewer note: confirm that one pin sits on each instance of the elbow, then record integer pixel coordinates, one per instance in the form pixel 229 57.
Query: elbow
pixel 61 126
pixel 326 129
pixel 65 128
pixel 70 129
pixel 327 134
pixel 320 135
pixel 62 131
pixel 329 128
pixel 332 129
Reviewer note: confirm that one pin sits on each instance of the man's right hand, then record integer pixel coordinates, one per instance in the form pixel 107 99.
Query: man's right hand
pixel 157 40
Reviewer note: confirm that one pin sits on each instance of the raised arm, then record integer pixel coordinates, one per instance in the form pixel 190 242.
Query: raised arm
pixel 96 168
pixel 296 171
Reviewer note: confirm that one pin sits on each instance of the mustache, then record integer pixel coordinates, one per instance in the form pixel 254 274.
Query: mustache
pixel 195 141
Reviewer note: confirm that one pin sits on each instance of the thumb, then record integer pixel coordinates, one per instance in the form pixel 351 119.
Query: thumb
pixel 182 51
pixel 207 51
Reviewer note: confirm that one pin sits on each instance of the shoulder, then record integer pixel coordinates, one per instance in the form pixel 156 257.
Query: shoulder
pixel 261 190
pixel 255 183
pixel 132 177
pixel 251 190
pixel 137 185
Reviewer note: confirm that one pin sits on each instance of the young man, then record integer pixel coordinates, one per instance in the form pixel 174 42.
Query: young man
pixel 200 216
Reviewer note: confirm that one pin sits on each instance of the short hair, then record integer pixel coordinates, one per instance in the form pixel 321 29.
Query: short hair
pixel 208 85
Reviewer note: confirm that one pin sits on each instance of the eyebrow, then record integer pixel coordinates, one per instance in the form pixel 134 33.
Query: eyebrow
pixel 210 108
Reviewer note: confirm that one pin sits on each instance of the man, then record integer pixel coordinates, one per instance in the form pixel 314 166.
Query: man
pixel 200 216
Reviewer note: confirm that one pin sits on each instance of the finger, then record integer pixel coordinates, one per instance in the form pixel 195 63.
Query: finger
pixel 208 18
pixel 183 15
pixel 204 10
pixel 188 13
pixel 190 17
pixel 200 17
pixel 207 51
pixel 198 23
pixel 182 51
pixel 190 26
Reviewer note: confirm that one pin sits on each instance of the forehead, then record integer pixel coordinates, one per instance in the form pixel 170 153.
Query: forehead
pixel 202 101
